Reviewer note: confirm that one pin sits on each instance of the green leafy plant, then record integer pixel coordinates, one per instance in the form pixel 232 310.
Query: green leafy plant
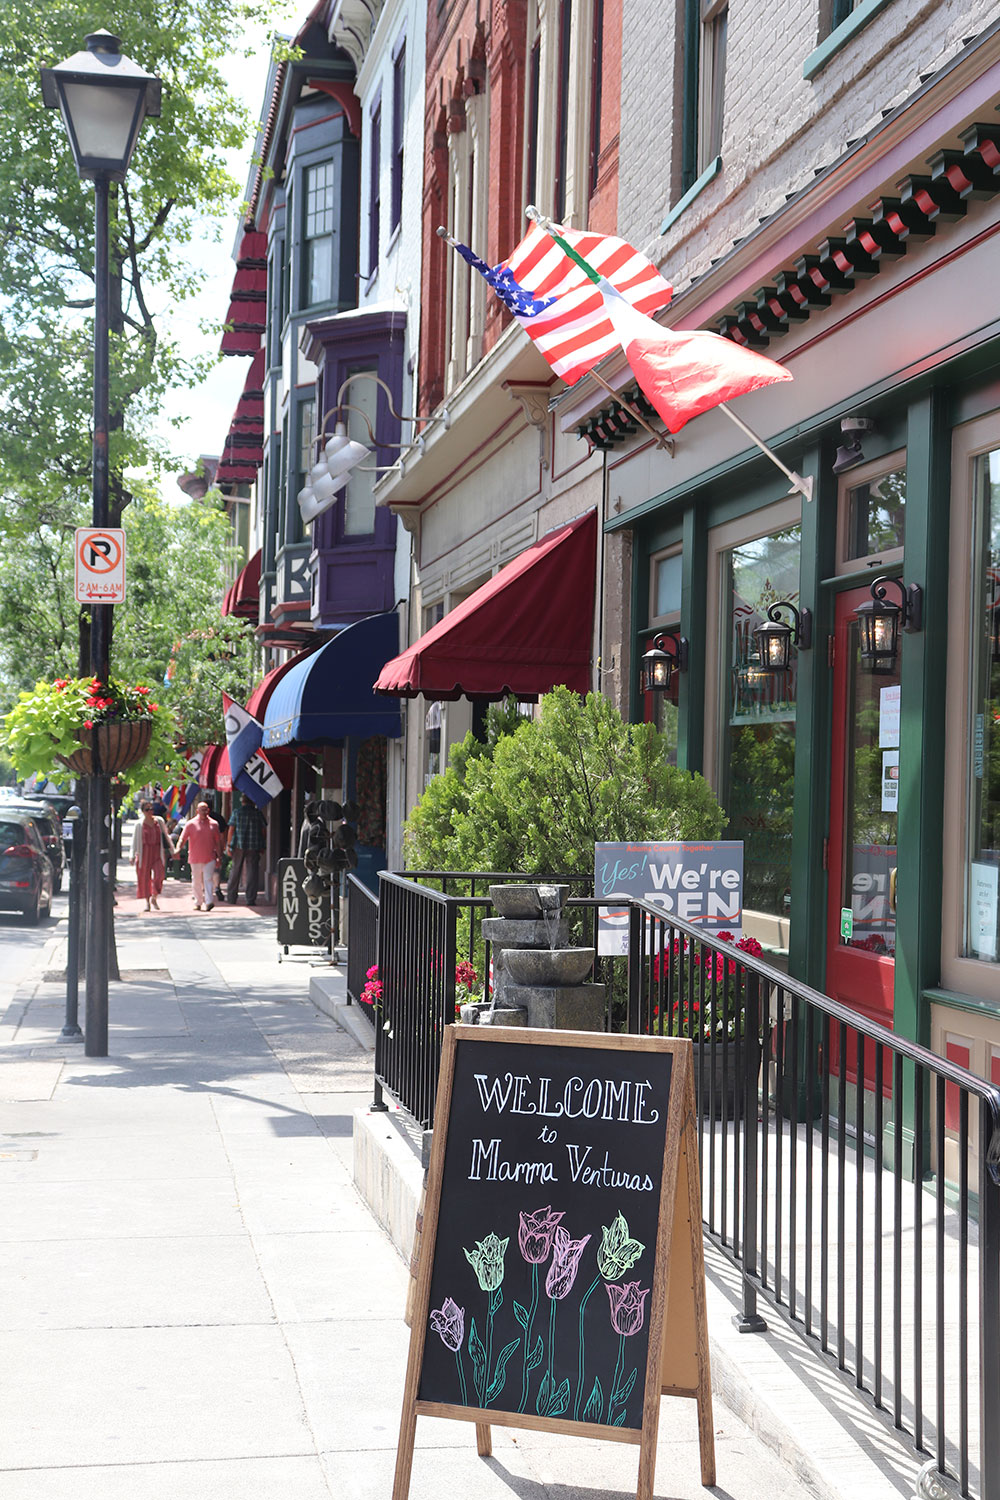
pixel 53 719
pixel 537 799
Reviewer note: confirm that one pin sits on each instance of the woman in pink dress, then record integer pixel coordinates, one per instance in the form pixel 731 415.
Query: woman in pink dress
pixel 151 845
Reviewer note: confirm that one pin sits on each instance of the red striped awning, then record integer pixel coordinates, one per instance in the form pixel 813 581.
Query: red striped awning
pixel 524 632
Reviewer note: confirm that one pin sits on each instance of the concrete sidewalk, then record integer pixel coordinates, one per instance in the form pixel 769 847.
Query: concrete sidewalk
pixel 196 1301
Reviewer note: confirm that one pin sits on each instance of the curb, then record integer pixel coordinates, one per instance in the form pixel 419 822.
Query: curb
pixel 328 992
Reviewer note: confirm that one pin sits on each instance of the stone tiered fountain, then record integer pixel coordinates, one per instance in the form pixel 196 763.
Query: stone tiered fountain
pixel 538 980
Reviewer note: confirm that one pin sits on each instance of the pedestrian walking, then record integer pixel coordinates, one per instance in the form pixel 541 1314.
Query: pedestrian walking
pixel 152 846
pixel 247 838
pixel 204 841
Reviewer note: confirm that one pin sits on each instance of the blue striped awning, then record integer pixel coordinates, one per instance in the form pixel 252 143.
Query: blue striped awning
pixel 328 695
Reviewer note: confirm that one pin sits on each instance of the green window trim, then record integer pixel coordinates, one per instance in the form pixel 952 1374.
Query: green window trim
pixel 712 170
pixel 841 35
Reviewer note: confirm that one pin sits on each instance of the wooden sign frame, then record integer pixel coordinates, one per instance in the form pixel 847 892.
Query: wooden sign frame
pixel 677 1360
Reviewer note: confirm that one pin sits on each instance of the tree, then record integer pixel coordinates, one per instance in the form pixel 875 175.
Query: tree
pixel 538 799
pixel 176 182
pixel 169 632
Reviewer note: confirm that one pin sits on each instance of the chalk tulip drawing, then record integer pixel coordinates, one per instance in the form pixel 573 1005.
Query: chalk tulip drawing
pixel 543 1240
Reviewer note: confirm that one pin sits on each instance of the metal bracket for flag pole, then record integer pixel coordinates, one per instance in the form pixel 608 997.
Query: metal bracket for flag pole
pixel 800 486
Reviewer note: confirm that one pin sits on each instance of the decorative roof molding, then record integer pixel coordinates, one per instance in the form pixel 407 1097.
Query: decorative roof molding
pixel 351 25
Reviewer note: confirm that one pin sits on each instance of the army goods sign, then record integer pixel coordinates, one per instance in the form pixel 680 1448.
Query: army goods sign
pixel 699 882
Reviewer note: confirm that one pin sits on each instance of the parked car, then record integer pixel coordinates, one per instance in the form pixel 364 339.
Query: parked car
pixel 49 825
pixel 25 868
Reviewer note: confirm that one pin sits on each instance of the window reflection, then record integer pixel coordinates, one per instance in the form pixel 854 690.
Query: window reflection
pixel 876 515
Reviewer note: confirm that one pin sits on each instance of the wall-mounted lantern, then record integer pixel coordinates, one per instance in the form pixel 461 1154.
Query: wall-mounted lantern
pixel 879 620
pixel 775 637
pixel 658 665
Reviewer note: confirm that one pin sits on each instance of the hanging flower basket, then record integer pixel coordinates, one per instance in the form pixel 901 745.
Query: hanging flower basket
pixel 89 727
pixel 113 747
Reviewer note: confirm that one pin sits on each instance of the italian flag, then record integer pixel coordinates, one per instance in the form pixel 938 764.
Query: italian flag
pixel 683 373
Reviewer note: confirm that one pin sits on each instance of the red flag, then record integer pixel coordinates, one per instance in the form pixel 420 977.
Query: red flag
pixel 682 373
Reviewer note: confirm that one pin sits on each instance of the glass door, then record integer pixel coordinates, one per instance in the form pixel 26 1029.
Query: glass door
pixel 864 799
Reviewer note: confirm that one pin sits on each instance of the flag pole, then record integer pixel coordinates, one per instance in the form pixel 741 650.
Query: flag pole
pixel 661 439
pixel 800 486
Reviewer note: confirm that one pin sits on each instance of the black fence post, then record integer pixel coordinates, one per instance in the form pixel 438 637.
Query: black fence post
pixel 635 956
pixel 989 1300
pixel 385 894
pixel 749 1320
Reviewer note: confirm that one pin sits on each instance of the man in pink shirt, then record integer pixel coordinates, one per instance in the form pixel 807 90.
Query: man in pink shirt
pixel 204 841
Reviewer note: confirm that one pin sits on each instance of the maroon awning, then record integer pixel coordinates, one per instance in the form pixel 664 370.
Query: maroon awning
pixel 525 631
pixel 214 773
pixel 261 695
pixel 245 600
pixel 235 473
pixel 246 314
pixel 253 250
pixel 240 341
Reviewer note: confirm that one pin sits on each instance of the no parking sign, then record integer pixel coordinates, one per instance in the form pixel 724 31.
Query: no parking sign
pixel 99 565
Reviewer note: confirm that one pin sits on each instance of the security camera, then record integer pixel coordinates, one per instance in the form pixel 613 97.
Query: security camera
pixel 857 424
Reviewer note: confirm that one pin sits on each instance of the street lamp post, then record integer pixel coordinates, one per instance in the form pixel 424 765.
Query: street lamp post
pixel 104 98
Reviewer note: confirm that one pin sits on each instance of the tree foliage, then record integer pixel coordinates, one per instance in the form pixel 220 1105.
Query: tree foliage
pixel 538 799
pixel 168 632
pixel 177 181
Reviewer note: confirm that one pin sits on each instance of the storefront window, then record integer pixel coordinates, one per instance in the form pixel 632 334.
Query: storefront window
pixel 876 513
pixel 759 739
pixel 983 858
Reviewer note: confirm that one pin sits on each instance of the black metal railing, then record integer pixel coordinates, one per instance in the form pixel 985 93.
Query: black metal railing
pixel 416 965
pixel 362 931
pixel 852 1176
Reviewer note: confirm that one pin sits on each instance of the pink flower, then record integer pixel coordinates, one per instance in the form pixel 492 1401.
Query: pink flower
pixel 372 972
pixel 534 1237
pixel 627 1308
pixel 565 1261
pixel 750 945
pixel 449 1322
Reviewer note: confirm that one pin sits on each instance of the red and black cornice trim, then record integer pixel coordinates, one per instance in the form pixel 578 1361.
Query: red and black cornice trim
pixel 858 253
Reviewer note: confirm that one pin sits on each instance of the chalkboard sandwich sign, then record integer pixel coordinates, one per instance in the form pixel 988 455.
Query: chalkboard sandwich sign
pixel 561 1283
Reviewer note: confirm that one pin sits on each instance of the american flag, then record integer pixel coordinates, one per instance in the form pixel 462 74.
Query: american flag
pixel 559 307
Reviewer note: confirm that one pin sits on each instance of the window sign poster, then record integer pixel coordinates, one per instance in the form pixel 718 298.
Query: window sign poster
pixel 699 882
pixel 983 902
pixel 890 781
pixel 888 717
